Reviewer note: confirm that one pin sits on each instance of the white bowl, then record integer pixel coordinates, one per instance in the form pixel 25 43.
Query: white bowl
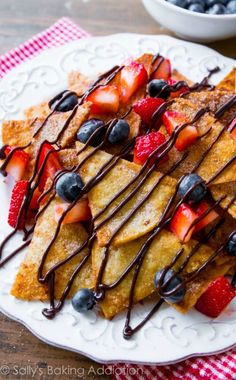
pixel 190 25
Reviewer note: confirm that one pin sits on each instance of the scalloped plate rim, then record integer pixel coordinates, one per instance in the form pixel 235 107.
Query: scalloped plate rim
pixel 31 329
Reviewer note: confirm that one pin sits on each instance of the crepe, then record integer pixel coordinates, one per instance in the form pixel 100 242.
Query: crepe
pixel 70 238
pixel 229 82
pixel 161 252
pixel 229 191
pixel 145 219
pixel 222 151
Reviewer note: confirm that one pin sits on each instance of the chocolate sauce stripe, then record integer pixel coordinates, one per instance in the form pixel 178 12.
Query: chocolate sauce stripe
pixel 225 107
pixel 207 151
pixel 9 156
pixel 203 215
pixel 221 170
pixel 50 313
pixel 12 254
pixel 128 331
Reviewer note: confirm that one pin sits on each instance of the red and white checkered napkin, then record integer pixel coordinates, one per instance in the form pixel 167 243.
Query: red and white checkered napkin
pixel 217 367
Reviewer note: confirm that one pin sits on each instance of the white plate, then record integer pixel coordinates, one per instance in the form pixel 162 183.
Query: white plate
pixel 169 336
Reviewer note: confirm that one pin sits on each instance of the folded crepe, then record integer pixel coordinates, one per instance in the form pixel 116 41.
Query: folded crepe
pixel 229 82
pixel 229 191
pixel 146 218
pixel 20 133
pixel 161 252
pixel 222 151
pixel 70 238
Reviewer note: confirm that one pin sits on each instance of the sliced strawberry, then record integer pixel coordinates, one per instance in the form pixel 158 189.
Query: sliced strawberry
pixel 132 77
pixel 146 144
pixel 34 204
pixel 232 128
pixel 200 210
pixel 182 221
pixel 18 194
pixel 17 164
pixel 187 136
pixel 52 164
pixel 176 94
pixel 146 107
pixel 105 99
pixel 80 212
pixel 161 70
pixel 216 297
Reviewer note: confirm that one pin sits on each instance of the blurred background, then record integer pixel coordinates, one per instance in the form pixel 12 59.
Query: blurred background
pixel 20 19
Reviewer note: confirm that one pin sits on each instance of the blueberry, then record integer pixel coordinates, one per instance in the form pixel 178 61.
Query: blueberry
pixel 88 128
pixel 217 9
pixel 196 8
pixel 178 3
pixel 231 7
pixel 231 245
pixel 119 132
pixel 69 186
pixel 201 2
pixel 155 86
pixel 83 300
pixel 190 181
pixel 210 3
pixel 177 280
pixel 70 101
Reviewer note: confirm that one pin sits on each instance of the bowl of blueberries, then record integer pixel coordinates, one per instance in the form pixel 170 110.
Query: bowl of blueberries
pixel 195 20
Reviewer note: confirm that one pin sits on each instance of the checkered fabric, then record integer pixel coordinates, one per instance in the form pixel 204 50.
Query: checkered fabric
pixel 216 367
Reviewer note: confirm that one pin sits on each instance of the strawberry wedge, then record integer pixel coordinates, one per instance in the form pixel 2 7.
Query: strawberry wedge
pixel 187 136
pixel 17 198
pixel 216 297
pixel 132 77
pixel 146 145
pixel 182 221
pixel 105 99
pixel 146 107
pixel 176 94
pixel 17 165
pixel 209 218
pixel 51 164
pixel 80 212
pixel 161 69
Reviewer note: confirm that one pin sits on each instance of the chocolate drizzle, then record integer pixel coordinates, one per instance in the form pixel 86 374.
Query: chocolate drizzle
pixel 142 176
pixel 225 107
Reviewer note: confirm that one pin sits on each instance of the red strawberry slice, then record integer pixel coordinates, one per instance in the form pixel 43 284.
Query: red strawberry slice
pixel 232 128
pixel 209 218
pixel 18 195
pixel 145 108
pixel 80 212
pixel 216 297
pixel 187 136
pixel 105 99
pixel 52 165
pixel 182 221
pixel 146 144
pixel 132 77
pixel 34 204
pixel 176 94
pixel 17 164
pixel 161 69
